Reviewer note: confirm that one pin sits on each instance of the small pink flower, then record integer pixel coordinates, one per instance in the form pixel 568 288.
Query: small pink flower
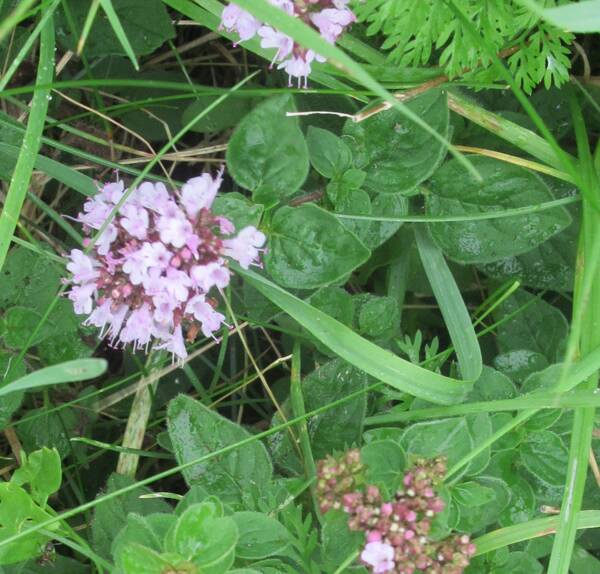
pixel 106 238
pixel 135 220
pixel 82 267
pixel 113 192
pixel 298 67
pixel 245 247
pixel 94 213
pixel 173 226
pixel 271 38
pixel 235 19
pixel 225 226
pixel 152 196
pixel 199 193
pixel 211 275
pixel 175 343
pixel 138 328
pixel 379 555
pixel 387 509
pixel 374 536
pixel 331 22
pixel 81 295
pixel 210 319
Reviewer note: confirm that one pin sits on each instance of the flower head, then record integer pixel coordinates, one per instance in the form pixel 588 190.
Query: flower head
pixel 147 279
pixel 329 17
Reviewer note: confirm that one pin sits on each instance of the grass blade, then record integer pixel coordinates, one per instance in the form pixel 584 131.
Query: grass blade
pixel 533 401
pixel 87 25
pixel 69 372
pixel 31 38
pixel 31 143
pixel 452 306
pixel 117 27
pixel 367 356
pixel 577 17
pixel 532 529
pixel 584 336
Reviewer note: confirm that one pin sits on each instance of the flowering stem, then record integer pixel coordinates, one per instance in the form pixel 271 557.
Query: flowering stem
pixel 139 415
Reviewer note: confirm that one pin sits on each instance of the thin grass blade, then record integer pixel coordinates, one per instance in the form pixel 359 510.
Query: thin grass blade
pixel 363 354
pixel 457 319
pixel 31 143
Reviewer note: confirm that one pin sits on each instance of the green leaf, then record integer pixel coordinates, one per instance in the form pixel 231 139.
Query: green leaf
pixel 267 153
pixel 577 17
pixel 335 302
pixel 522 505
pixel 385 205
pixel 519 563
pixel 544 454
pixel 455 192
pixel 148 531
pixel 538 326
pixel 204 537
pixel 472 494
pixel 543 380
pixel 377 317
pixel 351 201
pixel 239 210
pixel 358 351
pixel 519 364
pixel 10 370
pixel 492 385
pixel 71 371
pixel 550 265
pixel 453 308
pixel 331 431
pixel 196 431
pixel 225 115
pixel 480 428
pixel 309 248
pixel 146 24
pixel 329 154
pixel 42 471
pixel 48 429
pixel 19 513
pixel 448 437
pixel 28 280
pixel 475 518
pixel 338 541
pixel 137 559
pixel 385 461
pixel 19 322
pixel 111 516
pixel 260 536
pixel 397 154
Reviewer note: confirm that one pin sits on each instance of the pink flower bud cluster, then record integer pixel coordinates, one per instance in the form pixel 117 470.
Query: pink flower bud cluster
pixel 338 477
pixel 147 280
pixel 397 531
pixel 328 17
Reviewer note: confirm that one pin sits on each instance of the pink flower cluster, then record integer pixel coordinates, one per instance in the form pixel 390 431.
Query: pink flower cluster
pixel 328 17
pixel 146 281
pixel 397 531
